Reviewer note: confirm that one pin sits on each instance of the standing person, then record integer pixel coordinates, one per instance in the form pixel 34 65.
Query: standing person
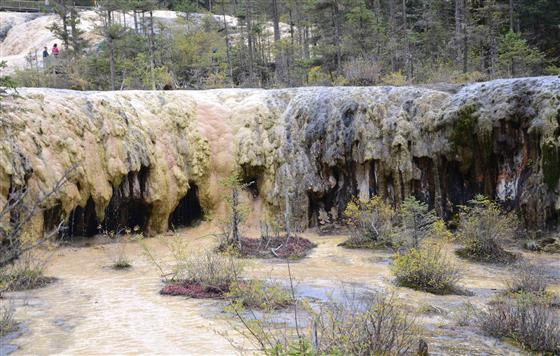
pixel 45 57
pixel 55 50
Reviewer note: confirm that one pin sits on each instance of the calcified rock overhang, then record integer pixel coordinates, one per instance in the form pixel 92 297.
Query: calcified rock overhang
pixel 156 158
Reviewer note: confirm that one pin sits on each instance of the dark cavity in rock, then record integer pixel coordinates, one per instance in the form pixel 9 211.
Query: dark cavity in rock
pixel 189 210
pixel 128 208
pixel 83 221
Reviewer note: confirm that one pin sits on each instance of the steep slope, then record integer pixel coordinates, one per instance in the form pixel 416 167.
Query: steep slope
pixel 141 152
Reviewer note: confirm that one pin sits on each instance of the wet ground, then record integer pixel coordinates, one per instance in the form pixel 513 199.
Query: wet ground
pixel 95 310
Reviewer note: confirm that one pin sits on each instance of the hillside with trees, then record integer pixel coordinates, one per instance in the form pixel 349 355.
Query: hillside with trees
pixel 286 43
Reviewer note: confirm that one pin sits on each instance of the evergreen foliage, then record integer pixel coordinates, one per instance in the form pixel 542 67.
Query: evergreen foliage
pixel 278 43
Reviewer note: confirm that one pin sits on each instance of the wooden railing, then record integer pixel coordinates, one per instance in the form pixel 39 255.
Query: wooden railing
pixel 39 5
pixel 22 5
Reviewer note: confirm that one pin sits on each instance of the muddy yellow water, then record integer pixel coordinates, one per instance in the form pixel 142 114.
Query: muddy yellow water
pixel 94 310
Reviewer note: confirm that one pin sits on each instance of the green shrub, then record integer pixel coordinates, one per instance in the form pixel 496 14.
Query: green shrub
pixel 528 319
pixel 370 222
pixel 483 228
pixel 377 325
pixel 528 278
pixel 373 325
pixel 394 78
pixel 426 268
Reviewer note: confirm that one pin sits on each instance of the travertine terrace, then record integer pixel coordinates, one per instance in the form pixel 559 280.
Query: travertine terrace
pixel 139 153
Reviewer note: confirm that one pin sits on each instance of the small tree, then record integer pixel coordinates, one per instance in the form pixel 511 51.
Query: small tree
pixel 67 30
pixel 416 220
pixel 7 322
pixel 516 57
pixel 236 211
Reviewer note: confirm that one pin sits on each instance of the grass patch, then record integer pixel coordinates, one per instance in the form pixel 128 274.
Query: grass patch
pixel 365 244
pixel 194 290
pixel 257 294
pixel 527 313
pixel 203 275
pixel 116 246
pixel 218 276
pixel 7 322
pixel 122 263
pixel 293 248
pixel 549 244
pixel 26 273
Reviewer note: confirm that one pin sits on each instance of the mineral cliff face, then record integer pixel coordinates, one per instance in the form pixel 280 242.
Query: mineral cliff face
pixel 149 159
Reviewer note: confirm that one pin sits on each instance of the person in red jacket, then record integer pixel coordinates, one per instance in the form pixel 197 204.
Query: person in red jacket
pixel 54 50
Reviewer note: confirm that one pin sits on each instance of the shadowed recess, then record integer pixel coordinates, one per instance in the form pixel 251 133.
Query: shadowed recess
pixel 188 211
pixel 83 221
pixel 128 207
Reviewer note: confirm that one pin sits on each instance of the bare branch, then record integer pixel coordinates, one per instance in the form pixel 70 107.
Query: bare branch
pixel 19 213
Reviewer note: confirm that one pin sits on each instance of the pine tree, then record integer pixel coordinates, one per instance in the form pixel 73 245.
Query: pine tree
pixel 515 55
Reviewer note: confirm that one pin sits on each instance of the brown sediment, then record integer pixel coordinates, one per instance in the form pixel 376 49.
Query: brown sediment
pixel 194 290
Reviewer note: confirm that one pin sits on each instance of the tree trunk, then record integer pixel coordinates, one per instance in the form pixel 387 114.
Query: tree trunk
pixel 74 29
pixel 511 27
pixel 392 41
pixel 65 35
pixel 306 52
pixel 235 217
pixel 377 9
pixel 151 44
pixel 228 45
pixel 458 30
pixel 135 21
pixel 287 213
pixel 407 54
pixel 278 60
pixel 112 61
pixel 249 18
pixel 465 38
pixel 337 37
